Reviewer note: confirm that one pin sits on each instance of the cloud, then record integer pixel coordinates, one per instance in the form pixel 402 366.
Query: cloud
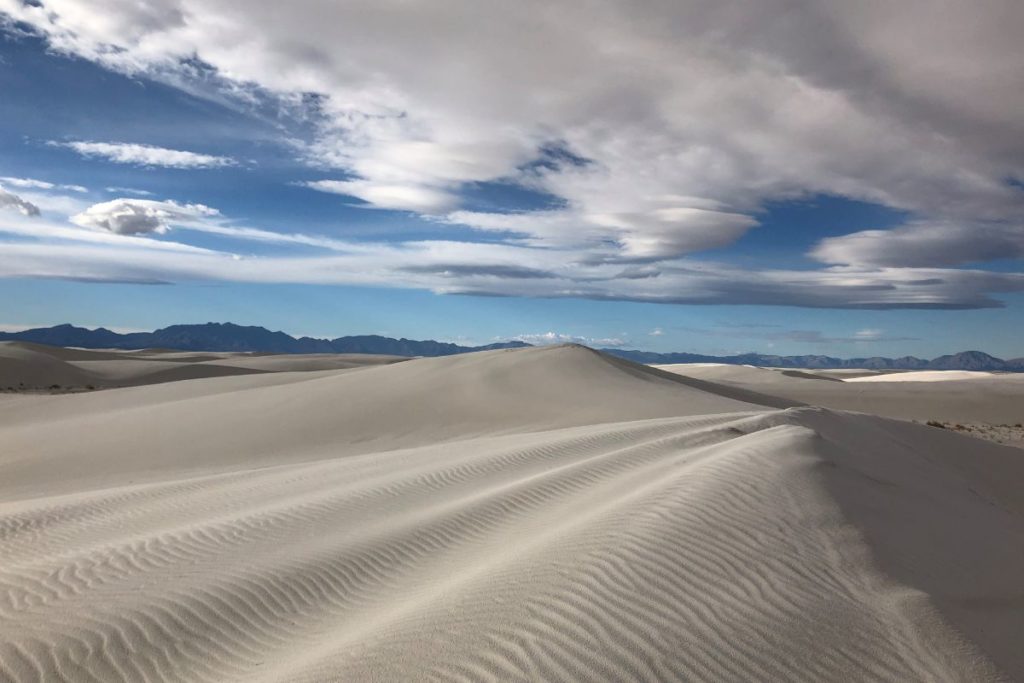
pixel 548 338
pixel 466 268
pixel 648 135
pixel 661 132
pixel 131 216
pixel 817 337
pixel 656 332
pixel 129 190
pixel 925 243
pixel 759 331
pixel 657 233
pixel 145 155
pixel 34 184
pixel 139 216
pixel 13 201
pixel 425 200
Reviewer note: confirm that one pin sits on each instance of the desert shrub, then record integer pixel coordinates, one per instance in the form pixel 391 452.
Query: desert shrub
pixel 935 423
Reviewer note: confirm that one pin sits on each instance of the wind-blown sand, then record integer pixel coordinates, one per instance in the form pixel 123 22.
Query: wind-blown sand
pixel 537 514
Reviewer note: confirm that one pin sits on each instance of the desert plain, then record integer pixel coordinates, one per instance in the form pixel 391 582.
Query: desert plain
pixel 536 514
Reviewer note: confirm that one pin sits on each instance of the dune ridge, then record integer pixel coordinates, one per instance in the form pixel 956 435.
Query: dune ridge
pixel 576 518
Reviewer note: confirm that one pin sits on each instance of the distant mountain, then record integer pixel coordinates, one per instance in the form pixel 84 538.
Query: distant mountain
pixel 965 360
pixel 231 337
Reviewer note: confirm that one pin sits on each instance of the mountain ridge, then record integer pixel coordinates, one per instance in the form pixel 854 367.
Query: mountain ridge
pixel 254 339
pixel 239 338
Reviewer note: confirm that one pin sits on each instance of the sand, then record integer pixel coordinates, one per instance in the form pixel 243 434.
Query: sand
pixel 993 398
pixel 535 514
pixel 925 376
pixel 28 367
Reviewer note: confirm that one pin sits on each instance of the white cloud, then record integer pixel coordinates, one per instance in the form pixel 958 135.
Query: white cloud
pixel 130 216
pixel 925 243
pixel 656 332
pixel 548 338
pixel 654 133
pixel 660 130
pixel 421 199
pixel 140 216
pixel 483 269
pixel 129 190
pixel 35 184
pixel 145 155
pixel 13 201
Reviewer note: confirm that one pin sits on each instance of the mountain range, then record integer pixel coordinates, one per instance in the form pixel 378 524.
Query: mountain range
pixel 231 337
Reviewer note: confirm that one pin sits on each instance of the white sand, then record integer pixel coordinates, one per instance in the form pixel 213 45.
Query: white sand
pixel 538 514
pixel 990 398
pixel 33 367
pixel 924 376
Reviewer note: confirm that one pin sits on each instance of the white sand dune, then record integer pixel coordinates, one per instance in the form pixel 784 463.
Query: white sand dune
pixel 539 514
pixel 924 376
pixel 25 366
pixel 991 398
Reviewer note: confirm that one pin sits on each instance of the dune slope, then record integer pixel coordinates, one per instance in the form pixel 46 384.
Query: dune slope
pixel 531 537
pixel 25 366
pixel 213 425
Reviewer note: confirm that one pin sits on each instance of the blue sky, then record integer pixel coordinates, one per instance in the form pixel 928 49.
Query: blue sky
pixel 397 176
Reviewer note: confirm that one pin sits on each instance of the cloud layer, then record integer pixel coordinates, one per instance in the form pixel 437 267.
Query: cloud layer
pixel 653 135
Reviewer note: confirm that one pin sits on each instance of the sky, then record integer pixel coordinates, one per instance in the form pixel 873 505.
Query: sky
pixel 781 176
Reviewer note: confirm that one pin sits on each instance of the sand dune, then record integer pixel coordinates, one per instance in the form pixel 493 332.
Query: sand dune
pixel 539 514
pixel 33 367
pixel 992 398
pixel 212 425
pixel 924 376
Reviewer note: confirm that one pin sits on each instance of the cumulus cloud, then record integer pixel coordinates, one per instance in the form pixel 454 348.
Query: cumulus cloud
pixel 131 216
pixel 140 216
pixel 145 155
pixel 548 338
pixel 35 184
pixel 9 200
pixel 656 332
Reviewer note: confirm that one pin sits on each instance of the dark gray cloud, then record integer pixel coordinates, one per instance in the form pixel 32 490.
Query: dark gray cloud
pixel 9 200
